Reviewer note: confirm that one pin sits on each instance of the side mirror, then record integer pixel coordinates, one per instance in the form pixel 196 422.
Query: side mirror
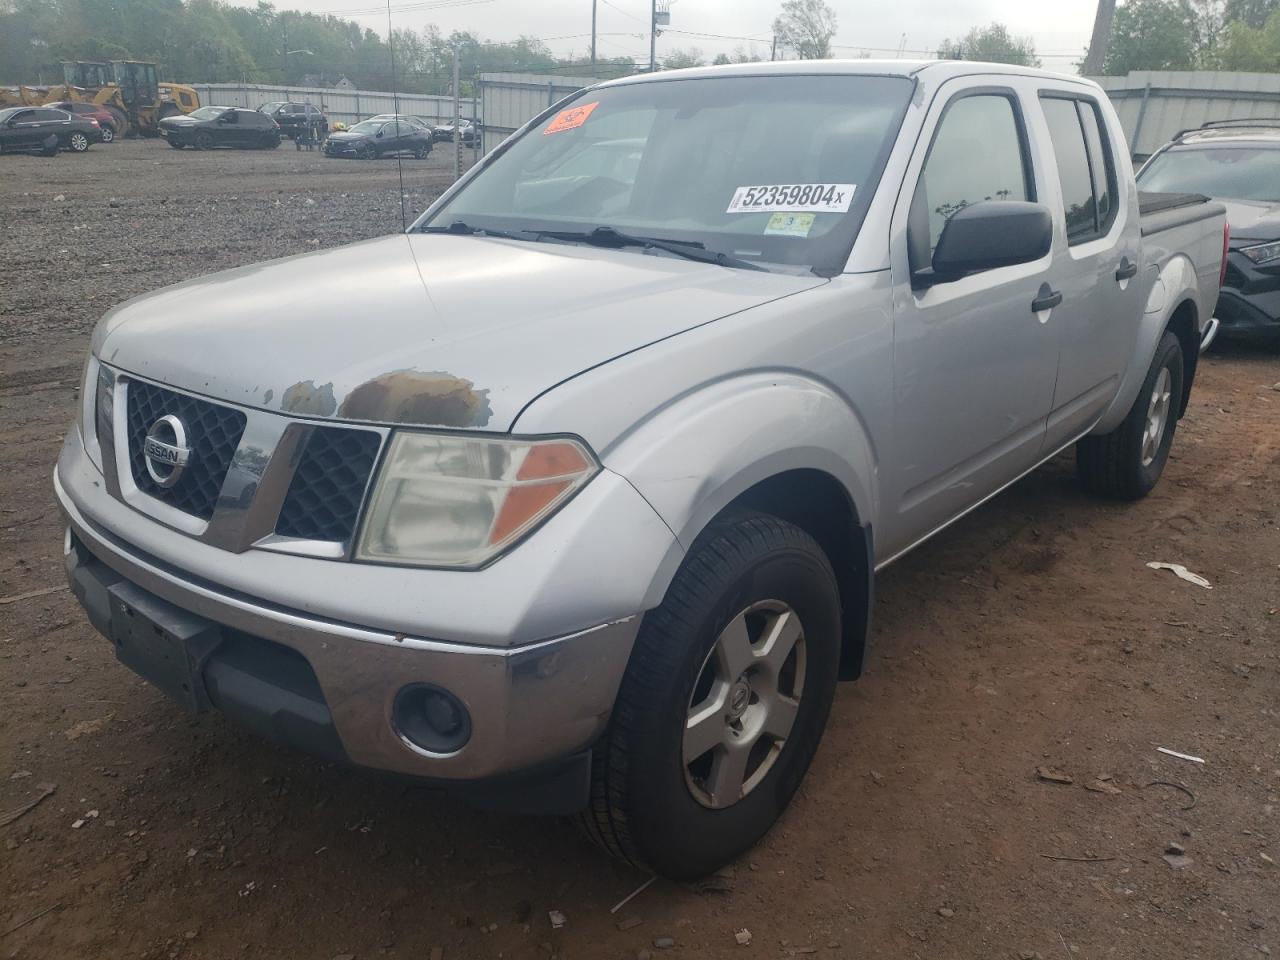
pixel 990 234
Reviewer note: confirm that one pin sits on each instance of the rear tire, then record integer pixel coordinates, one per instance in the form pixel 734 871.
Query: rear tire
pixel 1126 463
pixel 670 800
pixel 78 142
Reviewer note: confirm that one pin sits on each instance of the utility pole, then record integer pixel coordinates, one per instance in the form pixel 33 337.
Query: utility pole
pixel 457 133
pixel 1097 57
pixel 653 36
pixel 593 37
pixel 773 49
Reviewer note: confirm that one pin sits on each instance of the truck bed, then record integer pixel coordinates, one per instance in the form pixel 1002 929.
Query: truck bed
pixel 1164 211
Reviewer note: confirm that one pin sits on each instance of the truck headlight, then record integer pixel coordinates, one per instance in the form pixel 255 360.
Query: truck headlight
pixel 1263 252
pixel 443 500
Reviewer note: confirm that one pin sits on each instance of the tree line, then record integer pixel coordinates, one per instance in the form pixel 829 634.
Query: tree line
pixel 212 40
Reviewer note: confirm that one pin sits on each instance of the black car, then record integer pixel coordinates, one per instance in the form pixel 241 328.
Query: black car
pixel 211 127
pixel 45 130
pixel 297 119
pixel 462 127
pixel 371 139
pixel 1236 162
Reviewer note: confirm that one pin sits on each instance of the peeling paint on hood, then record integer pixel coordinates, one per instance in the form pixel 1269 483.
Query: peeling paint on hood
pixel 429 330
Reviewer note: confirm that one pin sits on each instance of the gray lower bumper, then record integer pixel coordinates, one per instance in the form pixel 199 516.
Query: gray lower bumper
pixel 530 705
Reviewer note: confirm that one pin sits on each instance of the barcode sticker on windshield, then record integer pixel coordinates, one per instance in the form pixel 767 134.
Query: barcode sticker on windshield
pixel 793 198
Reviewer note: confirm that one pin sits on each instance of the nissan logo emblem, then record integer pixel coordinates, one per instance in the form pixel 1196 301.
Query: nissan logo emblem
pixel 165 450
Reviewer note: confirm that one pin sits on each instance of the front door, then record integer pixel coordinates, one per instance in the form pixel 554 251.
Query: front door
pixel 22 132
pixel 974 364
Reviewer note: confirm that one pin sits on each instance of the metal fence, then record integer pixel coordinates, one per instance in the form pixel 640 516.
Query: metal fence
pixel 1155 105
pixel 508 100
pixel 348 106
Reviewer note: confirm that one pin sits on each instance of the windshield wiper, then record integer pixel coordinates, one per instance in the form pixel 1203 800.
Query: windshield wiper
pixel 461 228
pixel 689 249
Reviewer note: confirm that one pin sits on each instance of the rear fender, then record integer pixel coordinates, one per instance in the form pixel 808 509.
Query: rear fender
pixel 1175 287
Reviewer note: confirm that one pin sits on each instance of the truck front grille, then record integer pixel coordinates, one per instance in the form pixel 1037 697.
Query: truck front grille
pixel 213 434
pixel 323 502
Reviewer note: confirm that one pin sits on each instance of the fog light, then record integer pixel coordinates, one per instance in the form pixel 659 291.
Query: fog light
pixel 431 719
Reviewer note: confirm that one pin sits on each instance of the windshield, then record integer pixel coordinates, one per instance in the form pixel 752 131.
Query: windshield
pixel 1243 172
pixel 208 113
pixel 270 107
pixel 366 126
pixel 769 169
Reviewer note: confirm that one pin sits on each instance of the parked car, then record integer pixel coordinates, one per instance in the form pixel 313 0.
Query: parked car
pixel 1238 163
pixel 461 126
pixel 579 508
pixel 91 111
pixel 297 119
pixel 371 139
pixel 46 130
pixel 210 127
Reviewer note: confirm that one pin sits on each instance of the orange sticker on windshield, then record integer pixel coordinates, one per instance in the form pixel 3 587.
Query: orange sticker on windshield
pixel 572 118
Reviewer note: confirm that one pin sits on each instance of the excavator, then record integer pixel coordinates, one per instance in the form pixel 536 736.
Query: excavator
pixel 129 89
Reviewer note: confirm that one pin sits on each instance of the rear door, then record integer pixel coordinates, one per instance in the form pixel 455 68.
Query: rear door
pixel 973 362
pixel 1097 248
pixel 52 123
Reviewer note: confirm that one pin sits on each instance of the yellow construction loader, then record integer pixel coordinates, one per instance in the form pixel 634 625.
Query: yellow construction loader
pixel 129 89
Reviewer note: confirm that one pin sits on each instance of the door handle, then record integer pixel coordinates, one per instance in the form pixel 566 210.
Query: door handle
pixel 1046 299
pixel 1127 270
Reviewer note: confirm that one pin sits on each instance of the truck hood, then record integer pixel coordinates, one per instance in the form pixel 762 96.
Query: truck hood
pixel 429 330
pixel 1252 220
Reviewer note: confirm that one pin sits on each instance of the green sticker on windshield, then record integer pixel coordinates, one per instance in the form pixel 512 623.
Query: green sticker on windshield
pixel 789 225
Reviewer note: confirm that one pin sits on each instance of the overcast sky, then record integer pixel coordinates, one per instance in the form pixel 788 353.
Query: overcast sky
pixel 1060 28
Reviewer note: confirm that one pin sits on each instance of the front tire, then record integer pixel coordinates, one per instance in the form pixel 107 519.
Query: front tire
pixel 422 151
pixel 723 703
pixel 108 134
pixel 1126 463
pixel 203 140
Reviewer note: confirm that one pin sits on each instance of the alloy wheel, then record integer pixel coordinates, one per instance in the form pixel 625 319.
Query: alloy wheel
pixel 744 704
pixel 79 142
pixel 1157 416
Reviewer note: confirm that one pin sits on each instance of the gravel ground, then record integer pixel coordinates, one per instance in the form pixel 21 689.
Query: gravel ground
pixel 1029 635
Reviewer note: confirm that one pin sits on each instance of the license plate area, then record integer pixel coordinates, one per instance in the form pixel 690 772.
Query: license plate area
pixel 163 644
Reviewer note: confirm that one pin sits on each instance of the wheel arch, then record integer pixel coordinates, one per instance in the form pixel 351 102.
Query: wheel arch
pixel 773 441
pixel 816 502
pixel 1184 324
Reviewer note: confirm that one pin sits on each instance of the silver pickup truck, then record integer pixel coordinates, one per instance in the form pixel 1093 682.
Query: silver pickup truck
pixel 571 497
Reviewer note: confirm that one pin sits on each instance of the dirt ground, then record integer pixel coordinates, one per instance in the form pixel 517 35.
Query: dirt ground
pixel 1029 635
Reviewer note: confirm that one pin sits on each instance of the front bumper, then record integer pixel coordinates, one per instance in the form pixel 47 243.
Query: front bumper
pixel 531 703
pixel 1249 302
pixel 343 148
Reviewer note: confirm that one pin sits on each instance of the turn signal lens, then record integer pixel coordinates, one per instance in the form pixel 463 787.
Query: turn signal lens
pixel 456 501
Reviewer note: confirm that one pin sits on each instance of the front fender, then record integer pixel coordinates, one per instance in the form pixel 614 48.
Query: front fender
pixel 1172 286
pixel 701 452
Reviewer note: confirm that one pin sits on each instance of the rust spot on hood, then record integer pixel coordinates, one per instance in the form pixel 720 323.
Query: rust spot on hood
pixel 306 398
pixel 426 399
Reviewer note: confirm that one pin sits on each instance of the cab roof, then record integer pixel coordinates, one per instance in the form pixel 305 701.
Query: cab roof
pixel 935 71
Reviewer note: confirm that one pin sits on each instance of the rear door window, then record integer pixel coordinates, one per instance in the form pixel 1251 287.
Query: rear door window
pixel 1085 170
